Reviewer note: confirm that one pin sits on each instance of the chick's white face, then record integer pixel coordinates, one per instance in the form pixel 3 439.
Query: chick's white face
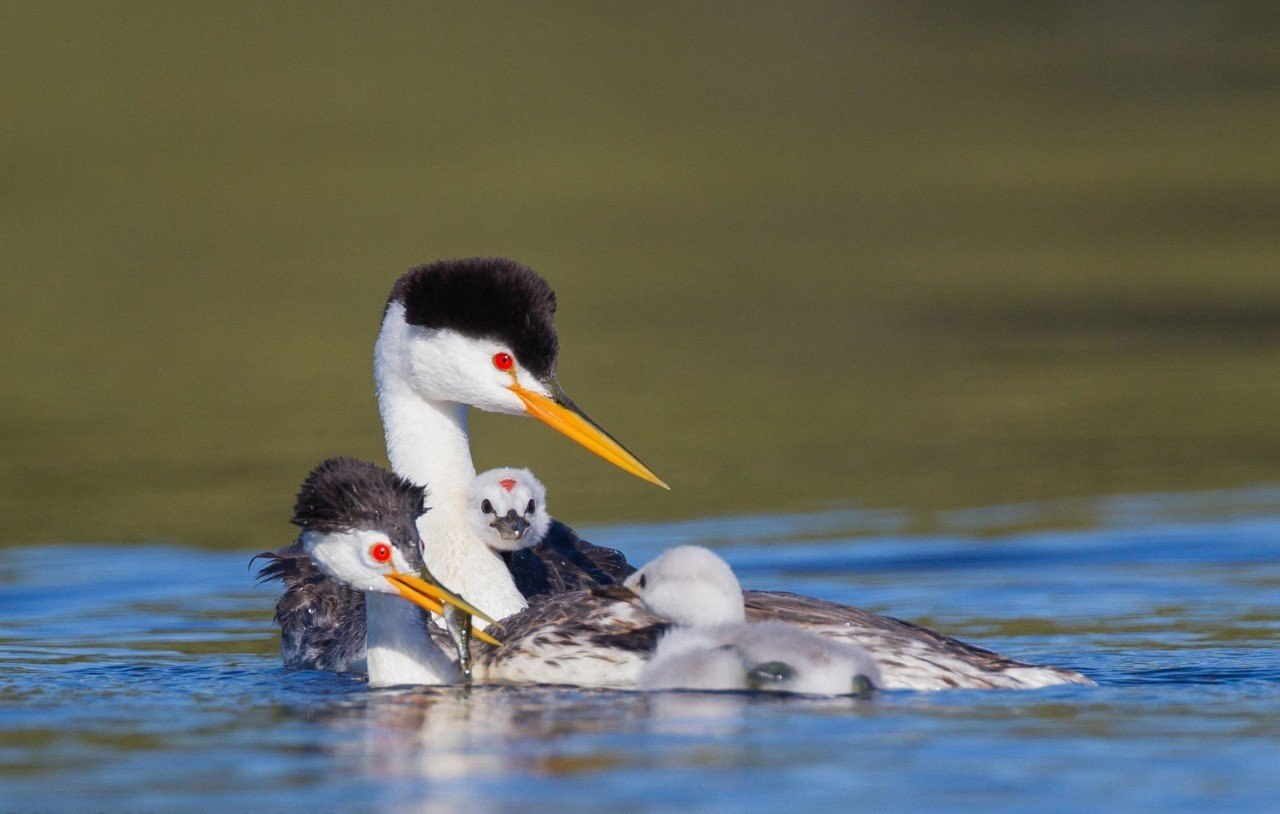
pixel 444 365
pixel 507 508
pixel 689 585
pixel 359 559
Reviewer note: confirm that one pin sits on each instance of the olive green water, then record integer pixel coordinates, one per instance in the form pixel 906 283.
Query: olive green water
pixel 899 255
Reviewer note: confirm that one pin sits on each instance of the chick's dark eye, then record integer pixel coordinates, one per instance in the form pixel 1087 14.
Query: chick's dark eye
pixel 486 506
pixel 530 509
pixel 640 582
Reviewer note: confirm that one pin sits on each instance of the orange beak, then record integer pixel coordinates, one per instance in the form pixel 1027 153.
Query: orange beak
pixel 565 417
pixel 430 596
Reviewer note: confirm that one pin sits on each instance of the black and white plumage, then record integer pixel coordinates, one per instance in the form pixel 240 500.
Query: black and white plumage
pixel 909 656
pixel 508 509
pixel 358 528
pixel 460 334
pixel 574 638
pixel 322 621
pixel 563 562
pixel 347 506
pixel 485 298
pixel 699 595
pixel 479 333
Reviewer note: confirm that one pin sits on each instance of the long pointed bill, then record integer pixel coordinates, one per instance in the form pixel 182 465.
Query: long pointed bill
pixel 484 637
pixel 564 416
pixel 429 596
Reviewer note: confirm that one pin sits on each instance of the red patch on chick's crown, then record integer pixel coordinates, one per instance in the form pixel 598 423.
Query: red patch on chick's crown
pixel 507 483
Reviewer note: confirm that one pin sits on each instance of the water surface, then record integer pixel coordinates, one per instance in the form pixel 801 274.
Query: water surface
pixel 147 678
pixel 927 255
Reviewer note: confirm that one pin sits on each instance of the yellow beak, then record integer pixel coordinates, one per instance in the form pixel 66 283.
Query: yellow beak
pixel 429 596
pixel 563 415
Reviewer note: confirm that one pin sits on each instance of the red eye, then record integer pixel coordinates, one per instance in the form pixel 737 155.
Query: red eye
pixel 380 552
pixel 503 361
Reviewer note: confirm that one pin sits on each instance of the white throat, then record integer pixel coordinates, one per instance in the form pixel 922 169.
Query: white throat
pixel 426 440
pixel 427 443
pixel 400 651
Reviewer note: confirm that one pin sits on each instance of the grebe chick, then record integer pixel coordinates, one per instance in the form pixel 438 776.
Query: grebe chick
pixel 698 593
pixel 508 509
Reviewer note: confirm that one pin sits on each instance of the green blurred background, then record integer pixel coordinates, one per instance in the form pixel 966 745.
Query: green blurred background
pixel 892 254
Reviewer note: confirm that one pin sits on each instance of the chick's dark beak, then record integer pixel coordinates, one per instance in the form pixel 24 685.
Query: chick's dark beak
pixel 510 526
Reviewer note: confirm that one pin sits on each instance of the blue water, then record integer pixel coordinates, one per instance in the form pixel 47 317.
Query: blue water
pixel 147 678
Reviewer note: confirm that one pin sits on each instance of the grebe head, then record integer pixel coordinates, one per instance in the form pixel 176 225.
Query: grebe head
pixel 507 508
pixel 689 585
pixel 480 332
pixel 358 527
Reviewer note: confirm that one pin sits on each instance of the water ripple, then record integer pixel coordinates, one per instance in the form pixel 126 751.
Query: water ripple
pixel 147 678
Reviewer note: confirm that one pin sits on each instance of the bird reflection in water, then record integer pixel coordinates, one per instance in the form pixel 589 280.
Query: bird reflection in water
pixel 448 735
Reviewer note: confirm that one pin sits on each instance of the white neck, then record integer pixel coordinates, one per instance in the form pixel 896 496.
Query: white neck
pixel 427 443
pixel 400 651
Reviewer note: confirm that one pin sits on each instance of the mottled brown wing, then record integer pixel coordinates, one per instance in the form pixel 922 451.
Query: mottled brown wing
pixel 808 612
pixel 909 656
